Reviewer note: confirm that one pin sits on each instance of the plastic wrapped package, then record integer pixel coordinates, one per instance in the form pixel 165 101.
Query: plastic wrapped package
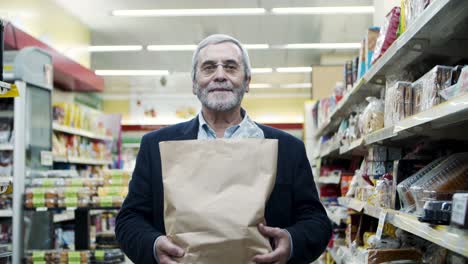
pixel 447 177
pixel 67 256
pixel 372 119
pixel 437 212
pixel 397 104
pixel 388 33
pixel 116 174
pixel 107 201
pixel 413 9
pixel 113 191
pixel 107 255
pixel 77 192
pixel 48 182
pixel 416 89
pixel 459 85
pixel 84 182
pixel 403 188
pixel 382 196
pixel 375 256
pixel 40 202
pixel 431 84
pixel 40 193
pixel 73 202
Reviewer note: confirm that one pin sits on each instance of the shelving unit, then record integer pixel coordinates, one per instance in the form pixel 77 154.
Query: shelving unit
pixel 4 147
pixel 427 42
pixel 449 237
pixel 75 160
pixel 80 132
pixel 411 48
pixel 6 213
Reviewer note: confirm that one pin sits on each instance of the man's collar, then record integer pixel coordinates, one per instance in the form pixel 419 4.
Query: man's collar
pixel 202 122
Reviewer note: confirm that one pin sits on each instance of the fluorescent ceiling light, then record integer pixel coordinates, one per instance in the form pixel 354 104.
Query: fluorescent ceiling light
pixel 131 72
pixel 171 47
pixel 294 69
pixel 260 85
pixel 189 12
pixel 114 48
pixel 296 85
pixel 324 10
pixel 322 46
pixel 256 46
pixel 261 70
pixel 194 47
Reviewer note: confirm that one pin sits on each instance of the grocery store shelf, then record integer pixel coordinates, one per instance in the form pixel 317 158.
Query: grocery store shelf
pixel 449 237
pixel 6 213
pixel 433 123
pixel 69 209
pixel 356 147
pixel 80 132
pixel 426 43
pixel 6 146
pixel 330 150
pixel 7 114
pixel 444 114
pixel 75 160
pixel 335 179
pixel 63 217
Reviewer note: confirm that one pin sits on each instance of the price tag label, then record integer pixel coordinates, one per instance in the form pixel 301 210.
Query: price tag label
pixel 38 255
pixel 106 201
pixel 71 191
pixel 48 183
pixel 380 226
pixel 38 202
pixel 77 182
pixel 38 192
pixel 71 202
pixel 99 255
pixel 74 256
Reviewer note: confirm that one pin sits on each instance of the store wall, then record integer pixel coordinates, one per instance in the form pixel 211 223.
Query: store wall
pixel 324 79
pixel 50 23
pixel 261 109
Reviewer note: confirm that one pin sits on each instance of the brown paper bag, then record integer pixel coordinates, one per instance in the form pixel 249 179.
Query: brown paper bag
pixel 215 193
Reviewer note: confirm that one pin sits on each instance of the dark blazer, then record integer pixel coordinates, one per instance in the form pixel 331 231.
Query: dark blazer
pixel 293 204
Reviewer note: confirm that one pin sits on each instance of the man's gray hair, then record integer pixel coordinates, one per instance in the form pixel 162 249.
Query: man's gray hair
pixel 217 39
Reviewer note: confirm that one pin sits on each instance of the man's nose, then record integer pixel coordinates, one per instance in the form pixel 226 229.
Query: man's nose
pixel 220 75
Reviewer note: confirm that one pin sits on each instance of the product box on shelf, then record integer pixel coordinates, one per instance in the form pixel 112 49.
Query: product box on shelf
pixel 398 103
pixel 388 33
pixel 460 210
pixel 371 40
pixel 426 89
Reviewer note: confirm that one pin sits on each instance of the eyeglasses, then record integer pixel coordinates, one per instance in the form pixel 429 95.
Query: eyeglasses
pixel 209 69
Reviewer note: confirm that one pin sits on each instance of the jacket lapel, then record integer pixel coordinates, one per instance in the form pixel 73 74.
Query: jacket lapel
pixel 190 130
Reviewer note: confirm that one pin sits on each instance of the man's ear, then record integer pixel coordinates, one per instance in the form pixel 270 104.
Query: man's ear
pixel 247 84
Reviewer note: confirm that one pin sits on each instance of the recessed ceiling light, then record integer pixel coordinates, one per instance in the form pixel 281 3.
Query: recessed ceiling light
pixel 296 85
pixel 131 72
pixel 294 69
pixel 321 46
pixel 324 10
pixel 261 70
pixel 189 12
pixel 260 85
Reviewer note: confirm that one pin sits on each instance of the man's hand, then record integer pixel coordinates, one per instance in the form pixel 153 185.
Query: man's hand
pixel 281 247
pixel 166 251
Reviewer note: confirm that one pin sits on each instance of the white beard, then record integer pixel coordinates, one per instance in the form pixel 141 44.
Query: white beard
pixel 220 101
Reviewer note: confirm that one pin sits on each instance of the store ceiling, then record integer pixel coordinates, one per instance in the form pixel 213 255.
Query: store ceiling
pixel 258 29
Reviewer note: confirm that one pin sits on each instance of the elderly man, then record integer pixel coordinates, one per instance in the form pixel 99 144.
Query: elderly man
pixel 297 223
